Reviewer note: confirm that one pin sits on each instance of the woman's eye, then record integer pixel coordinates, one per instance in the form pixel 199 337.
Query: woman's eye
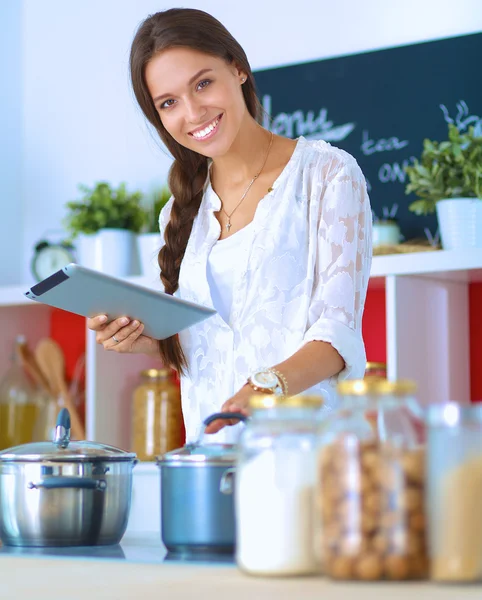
pixel 204 83
pixel 167 103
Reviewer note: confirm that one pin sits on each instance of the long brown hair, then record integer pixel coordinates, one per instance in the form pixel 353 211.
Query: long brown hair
pixel 195 29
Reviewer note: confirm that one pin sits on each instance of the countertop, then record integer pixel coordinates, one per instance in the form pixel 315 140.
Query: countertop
pixel 141 570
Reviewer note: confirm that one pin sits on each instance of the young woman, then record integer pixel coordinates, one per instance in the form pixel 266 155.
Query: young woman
pixel 274 233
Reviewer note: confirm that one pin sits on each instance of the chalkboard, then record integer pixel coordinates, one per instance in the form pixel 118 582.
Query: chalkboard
pixel 379 106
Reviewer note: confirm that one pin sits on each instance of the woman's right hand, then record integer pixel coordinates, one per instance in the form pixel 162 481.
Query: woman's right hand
pixel 122 335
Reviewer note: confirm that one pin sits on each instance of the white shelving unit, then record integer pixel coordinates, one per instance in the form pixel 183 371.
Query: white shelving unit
pixel 427 328
pixel 427 325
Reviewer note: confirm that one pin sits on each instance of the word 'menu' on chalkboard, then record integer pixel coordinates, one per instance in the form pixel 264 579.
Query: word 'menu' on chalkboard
pixel 379 106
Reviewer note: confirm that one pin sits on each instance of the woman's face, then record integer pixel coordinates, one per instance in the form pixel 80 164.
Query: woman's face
pixel 199 99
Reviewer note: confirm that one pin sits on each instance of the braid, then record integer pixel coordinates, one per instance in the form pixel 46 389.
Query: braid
pixel 195 29
pixel 187 191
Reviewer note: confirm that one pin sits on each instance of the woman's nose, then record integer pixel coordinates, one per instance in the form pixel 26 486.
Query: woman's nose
pixel 195 112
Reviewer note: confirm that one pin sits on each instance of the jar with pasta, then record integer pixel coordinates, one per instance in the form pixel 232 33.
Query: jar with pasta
pixel 157 425
pixel 371 484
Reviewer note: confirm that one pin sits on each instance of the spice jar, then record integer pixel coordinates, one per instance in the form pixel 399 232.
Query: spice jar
pixel 371 484
pixel 454 488
pixel 275 483
pixel 156 415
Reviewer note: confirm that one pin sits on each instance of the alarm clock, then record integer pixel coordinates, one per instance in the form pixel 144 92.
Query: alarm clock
pixel 50 257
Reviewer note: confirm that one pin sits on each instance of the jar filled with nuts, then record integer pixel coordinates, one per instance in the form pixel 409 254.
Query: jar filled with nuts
pixel 157 425
pixel 371 478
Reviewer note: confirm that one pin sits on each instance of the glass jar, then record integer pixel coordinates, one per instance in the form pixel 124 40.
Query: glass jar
pixel 376 369
pixel 19 403
pixel 275 484
pixel 454 488
pixel 157 425
pixel 371 484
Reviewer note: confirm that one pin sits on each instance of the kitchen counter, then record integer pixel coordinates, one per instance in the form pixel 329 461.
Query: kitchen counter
pixel 141 570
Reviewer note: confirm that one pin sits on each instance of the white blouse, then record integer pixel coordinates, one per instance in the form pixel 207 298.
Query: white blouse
pixel 223 265
pixel 303 273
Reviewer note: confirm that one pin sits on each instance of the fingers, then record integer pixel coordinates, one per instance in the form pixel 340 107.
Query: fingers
pixel 97 323
pixel 123 339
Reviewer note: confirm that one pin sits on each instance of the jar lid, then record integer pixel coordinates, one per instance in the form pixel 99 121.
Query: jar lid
pixel 156 373
pixel 376 365
pixel 201 454
pixel 61 449
pixel 377 386
pixel 264 401
pixel 452 414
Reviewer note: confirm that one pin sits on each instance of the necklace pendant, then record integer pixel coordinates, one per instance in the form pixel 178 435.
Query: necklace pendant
pixel 228 226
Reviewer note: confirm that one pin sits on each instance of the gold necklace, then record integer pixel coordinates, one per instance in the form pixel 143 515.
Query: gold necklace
pixel 228 226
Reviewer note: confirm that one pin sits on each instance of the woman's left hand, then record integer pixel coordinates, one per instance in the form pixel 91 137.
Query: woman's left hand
pixel 237 403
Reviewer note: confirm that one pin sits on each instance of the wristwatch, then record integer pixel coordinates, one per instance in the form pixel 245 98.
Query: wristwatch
pixel 268 381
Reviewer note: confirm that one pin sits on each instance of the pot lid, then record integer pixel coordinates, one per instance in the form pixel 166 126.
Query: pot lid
pixel 61 449
pixel 224 454
pixel 201 453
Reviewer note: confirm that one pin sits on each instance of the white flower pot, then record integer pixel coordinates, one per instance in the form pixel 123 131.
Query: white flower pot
pixel 112 251
pixel 149 245
pixel 460 222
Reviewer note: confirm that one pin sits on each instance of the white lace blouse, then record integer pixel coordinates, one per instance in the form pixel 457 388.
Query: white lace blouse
pixel 302 275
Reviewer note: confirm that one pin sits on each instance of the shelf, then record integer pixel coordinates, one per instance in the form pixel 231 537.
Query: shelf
pixel 13 295
pixel 455 265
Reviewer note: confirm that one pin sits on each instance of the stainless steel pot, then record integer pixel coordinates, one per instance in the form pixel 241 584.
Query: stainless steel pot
pixel 197 503
pixel 64 493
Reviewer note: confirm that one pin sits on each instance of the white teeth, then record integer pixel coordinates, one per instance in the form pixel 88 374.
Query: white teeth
pixel 204 132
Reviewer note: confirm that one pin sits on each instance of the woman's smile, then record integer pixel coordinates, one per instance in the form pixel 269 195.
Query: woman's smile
pixel 207 131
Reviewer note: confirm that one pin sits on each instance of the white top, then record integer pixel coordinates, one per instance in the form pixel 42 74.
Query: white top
pixel 302 275
pixel 223 264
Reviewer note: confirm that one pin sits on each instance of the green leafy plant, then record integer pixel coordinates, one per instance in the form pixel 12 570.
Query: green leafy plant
pixel 104 207
pixel 448 169
pixel 155 203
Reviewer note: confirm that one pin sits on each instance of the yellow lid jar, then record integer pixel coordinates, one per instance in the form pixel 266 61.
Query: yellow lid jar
pixel 157 424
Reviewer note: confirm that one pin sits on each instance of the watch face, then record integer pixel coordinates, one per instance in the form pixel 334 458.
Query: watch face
pixel 49 259
pixel 265 379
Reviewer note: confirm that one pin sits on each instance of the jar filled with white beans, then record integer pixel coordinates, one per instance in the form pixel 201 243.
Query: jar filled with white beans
pixel 275 484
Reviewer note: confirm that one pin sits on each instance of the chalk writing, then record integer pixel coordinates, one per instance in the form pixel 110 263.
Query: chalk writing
pixel 298 123
pixel 391 172
pixel 463 119
pixel 369 146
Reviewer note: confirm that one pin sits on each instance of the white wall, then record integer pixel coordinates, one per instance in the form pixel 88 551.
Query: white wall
pixel 11 247
pixel 80 123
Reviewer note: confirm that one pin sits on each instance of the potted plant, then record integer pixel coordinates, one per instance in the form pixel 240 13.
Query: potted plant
pixel 103 225
pixel 448 179
pixel 149 240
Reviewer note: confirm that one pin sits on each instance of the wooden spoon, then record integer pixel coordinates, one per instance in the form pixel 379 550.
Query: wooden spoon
pixel 31 365
pixel 51 361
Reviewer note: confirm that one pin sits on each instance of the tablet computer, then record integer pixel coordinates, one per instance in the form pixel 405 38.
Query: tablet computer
pixel 90 293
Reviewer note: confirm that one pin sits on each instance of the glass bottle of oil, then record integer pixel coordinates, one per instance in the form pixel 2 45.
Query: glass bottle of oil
pixel 19 406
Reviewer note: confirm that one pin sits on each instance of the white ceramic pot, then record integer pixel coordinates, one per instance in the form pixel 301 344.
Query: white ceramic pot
pixel 148 245
pixel 112 251
pixel 385 233
pixel 460 222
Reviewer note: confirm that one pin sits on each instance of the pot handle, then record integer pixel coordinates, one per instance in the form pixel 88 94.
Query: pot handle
pixel 224 415
pixel 226 485
pixel 214 417
pixel 55 483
